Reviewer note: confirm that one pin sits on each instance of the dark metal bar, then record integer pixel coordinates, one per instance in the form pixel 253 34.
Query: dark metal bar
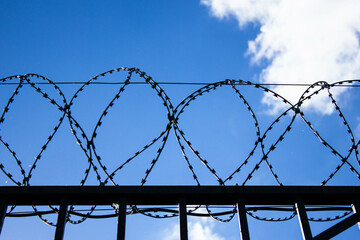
pixel 183 220
pixel 170 195
pixel 61 220
pixel 3 209
pixel 121 220
pixel 339 227
pixel 243 224
pixel 303 219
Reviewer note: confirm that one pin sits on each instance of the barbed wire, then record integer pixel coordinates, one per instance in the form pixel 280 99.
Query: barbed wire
pixel 104 176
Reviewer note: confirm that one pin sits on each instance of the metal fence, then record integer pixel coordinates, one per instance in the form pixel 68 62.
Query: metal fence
pixel 292 199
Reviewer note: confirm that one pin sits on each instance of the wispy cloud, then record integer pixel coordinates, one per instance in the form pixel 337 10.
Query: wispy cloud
pixel 199 229
pixel 300 42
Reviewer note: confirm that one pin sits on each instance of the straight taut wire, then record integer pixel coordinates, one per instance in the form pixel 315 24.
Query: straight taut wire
pixel 176 83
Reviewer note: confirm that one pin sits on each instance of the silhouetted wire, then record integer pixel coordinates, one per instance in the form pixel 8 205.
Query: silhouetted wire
pixel 174 210
pixel 180 83
pixel 88 145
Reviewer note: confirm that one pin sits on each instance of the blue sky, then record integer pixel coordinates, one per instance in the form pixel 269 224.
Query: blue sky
pixel 179 41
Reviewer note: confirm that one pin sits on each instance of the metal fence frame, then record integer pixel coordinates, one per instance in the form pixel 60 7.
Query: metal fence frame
pixel 296 196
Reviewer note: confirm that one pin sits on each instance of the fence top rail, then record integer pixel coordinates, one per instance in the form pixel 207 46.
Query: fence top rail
pixel 171 195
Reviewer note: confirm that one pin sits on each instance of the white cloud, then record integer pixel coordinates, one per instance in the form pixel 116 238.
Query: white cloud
pixel 203 230
pixel 302 42
pixel 199 229
pixel 171 234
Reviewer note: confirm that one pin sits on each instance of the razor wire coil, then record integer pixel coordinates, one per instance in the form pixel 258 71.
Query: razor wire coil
pixel 87 142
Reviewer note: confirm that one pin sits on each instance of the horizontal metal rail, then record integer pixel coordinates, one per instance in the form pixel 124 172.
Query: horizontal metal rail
pixel 171 195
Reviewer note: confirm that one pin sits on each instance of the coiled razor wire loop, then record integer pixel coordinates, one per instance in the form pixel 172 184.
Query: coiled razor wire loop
pixel 87 143
pixel 61 108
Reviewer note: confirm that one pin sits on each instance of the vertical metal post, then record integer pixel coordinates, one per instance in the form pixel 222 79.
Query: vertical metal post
pixel 3 209
pixel 121 220
pixel 183 220
pixel 303 219
pixel 243 224
pixel 61 220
